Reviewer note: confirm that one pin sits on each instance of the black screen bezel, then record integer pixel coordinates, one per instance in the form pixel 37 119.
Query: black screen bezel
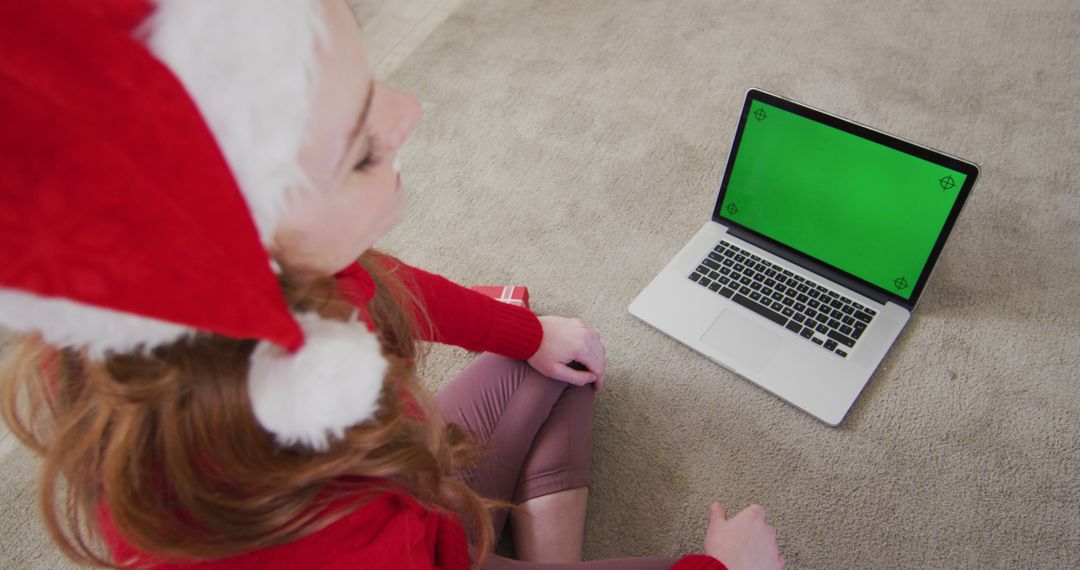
pixel 969 169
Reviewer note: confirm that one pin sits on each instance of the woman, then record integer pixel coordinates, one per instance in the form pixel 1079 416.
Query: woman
pixel 206 411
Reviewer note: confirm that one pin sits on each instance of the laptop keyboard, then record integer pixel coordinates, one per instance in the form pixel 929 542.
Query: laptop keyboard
pixel 814 312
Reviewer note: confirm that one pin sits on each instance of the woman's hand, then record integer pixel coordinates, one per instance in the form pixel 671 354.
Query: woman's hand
pixel 569 340
pixel 746 542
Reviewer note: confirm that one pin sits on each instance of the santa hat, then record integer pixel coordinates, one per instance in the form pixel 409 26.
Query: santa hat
pixel 147 151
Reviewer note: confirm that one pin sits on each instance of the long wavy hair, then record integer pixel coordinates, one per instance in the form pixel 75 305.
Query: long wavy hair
pixel 166 443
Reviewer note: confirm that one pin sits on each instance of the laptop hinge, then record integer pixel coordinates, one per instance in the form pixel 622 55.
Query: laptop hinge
pixel 810 264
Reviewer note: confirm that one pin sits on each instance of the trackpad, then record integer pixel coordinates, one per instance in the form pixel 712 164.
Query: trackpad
pixel 735 338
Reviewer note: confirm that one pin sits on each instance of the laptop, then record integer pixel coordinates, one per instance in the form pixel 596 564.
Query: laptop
pixel 823 237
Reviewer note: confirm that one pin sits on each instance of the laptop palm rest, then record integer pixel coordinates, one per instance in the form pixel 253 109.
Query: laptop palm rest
pixel 734 338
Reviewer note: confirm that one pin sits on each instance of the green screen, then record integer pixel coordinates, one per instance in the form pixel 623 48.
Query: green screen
pixel 860 206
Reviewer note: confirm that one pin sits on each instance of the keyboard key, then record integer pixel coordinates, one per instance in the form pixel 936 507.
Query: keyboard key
pixel 820 288
pixel 822 318
pixel 837 314
pixel 725 270
pixel 767 292
pixel 714 286
pixel 726 292
pixel 745 280
pixel 832 294
pixel 799 317
pixel 724 280
pixel 857 305
pixel 799 278
pixel 846 341
pixel 791 292
pixel 728 262
pixel 835 303
pixel 859 325
pixel 729 253
pixel 813 303
pixel 814 293
pixel 749 272
pixel 781 287
pixel 793 326
pixel 845 300
pixel 817 340
pixel 744 290
pixel 776 305
pixel 711 264
pixel 702 269
pixel 739 267
pixel 799 306
pixel 787 301
pixel 788 273
pixel 807 332
pixel 822 329
pixel 802 291
pixel 770 282
pixel 810 312
pixel 847 320
pixel 862 316
pixel 739 258
pixel 848 309
pixel 844 329
pixel 754 257
pixel 841 353
pixel 755 296
pixel 830 344
pixel 695 277
pixel 857 333
pixel 716 256
pixel 755 285
pixel 759 277
pixel 777 295
pixel 870 312
pixel 768 314
pixel 834 324
pixel 766 263
pixel 787 312
pixel 761 267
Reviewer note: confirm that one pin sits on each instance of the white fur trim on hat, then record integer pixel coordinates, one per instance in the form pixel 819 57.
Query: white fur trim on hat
pixel 65 323
pixel 332 383
pixel 250 66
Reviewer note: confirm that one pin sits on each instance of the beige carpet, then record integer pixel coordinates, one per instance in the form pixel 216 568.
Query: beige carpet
pixel 574 147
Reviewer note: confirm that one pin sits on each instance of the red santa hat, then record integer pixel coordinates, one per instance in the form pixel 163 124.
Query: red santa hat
pixel 147 151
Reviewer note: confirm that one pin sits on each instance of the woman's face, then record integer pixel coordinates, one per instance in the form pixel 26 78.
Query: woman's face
pixel 357 127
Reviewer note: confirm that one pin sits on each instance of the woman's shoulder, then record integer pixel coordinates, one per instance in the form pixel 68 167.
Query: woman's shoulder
pixel 383 524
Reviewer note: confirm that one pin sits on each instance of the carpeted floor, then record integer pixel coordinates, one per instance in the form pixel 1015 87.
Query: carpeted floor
pixel 573 147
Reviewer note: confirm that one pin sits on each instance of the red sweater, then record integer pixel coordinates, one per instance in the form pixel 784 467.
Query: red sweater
pixel 394 530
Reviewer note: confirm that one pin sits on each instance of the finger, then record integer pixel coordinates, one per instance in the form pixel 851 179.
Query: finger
pixel 601 356
pixel 756 510
pixel 717 513
pixel 566 374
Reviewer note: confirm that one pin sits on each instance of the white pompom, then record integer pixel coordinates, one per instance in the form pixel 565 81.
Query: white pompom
pixel 332 383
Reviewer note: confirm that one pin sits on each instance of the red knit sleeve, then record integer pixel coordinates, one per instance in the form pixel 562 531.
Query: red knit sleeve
pixel 465 318
pixel 698 562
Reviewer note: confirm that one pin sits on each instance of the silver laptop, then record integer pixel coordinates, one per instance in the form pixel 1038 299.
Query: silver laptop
pixel 822 238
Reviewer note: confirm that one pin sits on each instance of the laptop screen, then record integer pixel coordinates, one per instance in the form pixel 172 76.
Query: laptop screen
pixel 863 207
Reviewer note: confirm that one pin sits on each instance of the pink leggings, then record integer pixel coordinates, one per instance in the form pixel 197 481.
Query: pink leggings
pixel 537 433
